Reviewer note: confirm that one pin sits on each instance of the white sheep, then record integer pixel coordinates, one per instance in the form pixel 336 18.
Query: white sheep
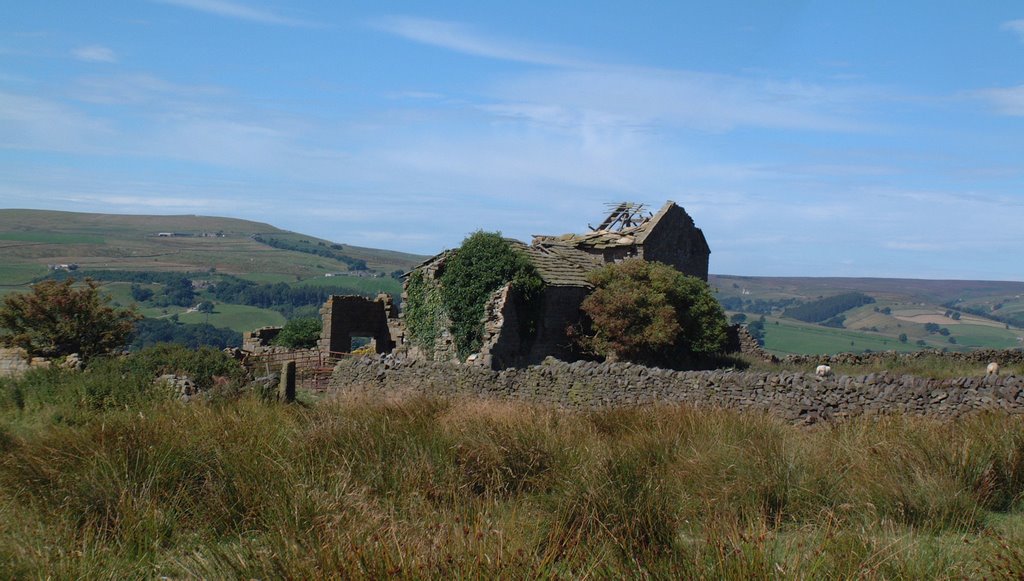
pixel 823 371
pixel 992 369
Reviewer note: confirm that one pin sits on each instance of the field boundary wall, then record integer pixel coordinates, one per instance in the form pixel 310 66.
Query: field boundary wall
pixel 797 397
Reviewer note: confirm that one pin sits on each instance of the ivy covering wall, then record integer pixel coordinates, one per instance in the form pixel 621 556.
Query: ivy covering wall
pixel 481 265
pixel 423 311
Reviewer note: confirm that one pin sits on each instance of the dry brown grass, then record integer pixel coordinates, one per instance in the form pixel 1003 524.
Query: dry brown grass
pixel 430 488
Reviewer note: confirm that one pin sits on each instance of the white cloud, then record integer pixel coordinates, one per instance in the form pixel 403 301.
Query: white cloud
pixel 238 11
pixel 461 38
pixel 28 122
pixel 639 99
pixel 94 53
pixel 1016 27
pixel 135 89
pixel 1007 101
pixel 595 98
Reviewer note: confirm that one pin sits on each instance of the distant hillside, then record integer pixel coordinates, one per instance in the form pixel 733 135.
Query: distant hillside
pixel 32 239
pixel 801 315
pixel 903 314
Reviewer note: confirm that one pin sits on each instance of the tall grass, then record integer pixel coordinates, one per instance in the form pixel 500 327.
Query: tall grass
pixel 432 488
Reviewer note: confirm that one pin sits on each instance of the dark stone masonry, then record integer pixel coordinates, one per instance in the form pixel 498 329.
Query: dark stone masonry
pixel 796 397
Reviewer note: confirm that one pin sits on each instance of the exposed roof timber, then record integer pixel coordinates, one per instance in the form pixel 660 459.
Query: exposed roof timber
pixel 623 215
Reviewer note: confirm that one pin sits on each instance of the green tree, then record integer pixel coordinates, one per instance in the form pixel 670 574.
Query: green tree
pixel 650 312
pixel 205 307
pixel 301 333
pixel 141 294
pixel 59 318
pixel 903 337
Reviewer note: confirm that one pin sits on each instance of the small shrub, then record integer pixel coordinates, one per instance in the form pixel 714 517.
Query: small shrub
pixel 301 333
pixel 650 312
pixel 201 365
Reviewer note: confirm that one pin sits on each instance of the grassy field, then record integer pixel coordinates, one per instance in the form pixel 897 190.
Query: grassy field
pixel 238 317
pixel 901 307
pixel 52 238
pixel 18 274
pixel 105 241
pixel 101 476
pixel 788 337
pixel 269 277
pixel 358 284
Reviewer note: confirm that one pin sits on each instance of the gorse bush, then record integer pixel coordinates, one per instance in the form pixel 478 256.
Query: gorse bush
pixel 650 312
pixel 58 318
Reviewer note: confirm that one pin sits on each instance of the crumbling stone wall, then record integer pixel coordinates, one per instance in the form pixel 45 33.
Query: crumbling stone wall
pixel 345 317
pixel 258 340
pixel 797 397
pixel 312 366
pixel 741 341
pixel 503 342
pixel 15 361
pixel 501 345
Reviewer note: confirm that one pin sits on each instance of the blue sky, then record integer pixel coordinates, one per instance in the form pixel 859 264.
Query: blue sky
pixel 805 138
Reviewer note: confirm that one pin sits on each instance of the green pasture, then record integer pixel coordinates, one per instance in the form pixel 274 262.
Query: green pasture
pixel 52 237
pixel 131 243
pixel 1013 305
pixel 267 277
pixel 161 312
pixel 358 284
pixel 241 318
pixel 18 274
pixel 984 336
pixel 120 293
pixel 789 338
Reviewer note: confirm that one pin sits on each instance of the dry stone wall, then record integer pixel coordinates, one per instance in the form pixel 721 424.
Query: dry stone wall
pixel 312 365
pixel 797 397
pixel 15 361
pixel 981 357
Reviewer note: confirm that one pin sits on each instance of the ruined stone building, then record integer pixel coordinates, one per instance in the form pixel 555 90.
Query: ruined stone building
pixel 563 262
pixel 669 236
